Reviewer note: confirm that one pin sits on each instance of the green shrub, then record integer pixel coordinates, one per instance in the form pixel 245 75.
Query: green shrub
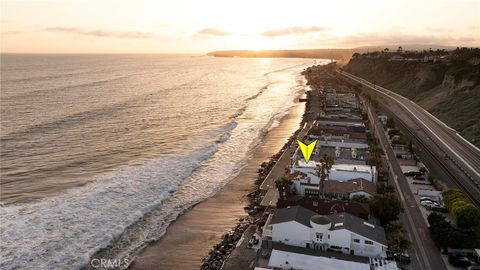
pixel 463 212
pixel 468 216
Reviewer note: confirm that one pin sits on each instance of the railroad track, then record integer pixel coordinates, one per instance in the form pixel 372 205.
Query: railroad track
pixel 471 185
pixel 474 196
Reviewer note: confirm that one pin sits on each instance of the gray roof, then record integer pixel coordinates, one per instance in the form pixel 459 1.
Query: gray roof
pixel 295 213
pixel 319 219
pixel 357 225
pixel 349 222
pixel 327 254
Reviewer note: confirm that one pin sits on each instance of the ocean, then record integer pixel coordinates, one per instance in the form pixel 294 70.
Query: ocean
pixel 99 153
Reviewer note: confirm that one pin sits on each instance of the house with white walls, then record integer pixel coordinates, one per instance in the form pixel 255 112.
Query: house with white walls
pixel 345 190
pixel 341 232
pixel 338 172
pixel 290 257
pixel 346 172
pixel 306 181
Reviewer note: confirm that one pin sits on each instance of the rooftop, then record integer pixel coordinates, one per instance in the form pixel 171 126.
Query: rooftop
pixel 359 226
pixel 310 259
pixel 295 213
pixel 351 186
pixel 352 167
pixel 339 221
pixel 295 175
pixel 327 207
pixel 319 219
pixel 345 143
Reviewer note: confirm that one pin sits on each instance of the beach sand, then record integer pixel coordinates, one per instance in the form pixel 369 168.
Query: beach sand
pixel 193 234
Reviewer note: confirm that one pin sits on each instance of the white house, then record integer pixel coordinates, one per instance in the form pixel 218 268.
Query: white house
pixel 294 259
pixel 342 190
pixel 288 257
pixel 341 143
pixel 346 172
pixel 349 189
pixel 338 172
pixel 298 226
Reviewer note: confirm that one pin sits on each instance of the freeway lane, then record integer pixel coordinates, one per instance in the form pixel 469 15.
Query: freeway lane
pixel 465 155
pixel 454 140
pixel 472 157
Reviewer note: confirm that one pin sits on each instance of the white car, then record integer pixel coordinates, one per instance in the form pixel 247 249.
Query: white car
pixel 427 199
pixel 429 204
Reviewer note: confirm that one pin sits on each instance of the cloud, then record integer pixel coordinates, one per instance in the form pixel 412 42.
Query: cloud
pixel 399 38
pixel 213 32
pixel 12 33
pixel 295 30
pixel 101 33
pixel 439 29
pixel 390 38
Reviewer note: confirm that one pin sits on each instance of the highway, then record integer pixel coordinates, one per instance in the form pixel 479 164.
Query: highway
pixel 460 159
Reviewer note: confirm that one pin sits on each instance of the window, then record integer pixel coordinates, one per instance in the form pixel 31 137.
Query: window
pixel 319 236
pixel 368 242
pixel 329 236
pixel 356 240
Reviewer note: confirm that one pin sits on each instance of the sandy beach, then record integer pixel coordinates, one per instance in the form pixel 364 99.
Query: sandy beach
pixel 192 235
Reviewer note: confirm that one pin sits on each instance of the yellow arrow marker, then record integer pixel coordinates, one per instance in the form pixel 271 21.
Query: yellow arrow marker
pixel 307 150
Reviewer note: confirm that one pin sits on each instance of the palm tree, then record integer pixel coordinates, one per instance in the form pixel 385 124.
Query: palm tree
pixel 375 154
pixel 323 168
pixel 283 185
pixel 394 228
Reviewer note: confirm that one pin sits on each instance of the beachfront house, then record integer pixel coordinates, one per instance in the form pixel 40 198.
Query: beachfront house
pixel 338 172
pixel 289 257
pixel 341 232
pixel 349 189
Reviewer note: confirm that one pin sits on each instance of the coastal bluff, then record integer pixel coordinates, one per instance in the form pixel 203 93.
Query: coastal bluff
pixel 337 54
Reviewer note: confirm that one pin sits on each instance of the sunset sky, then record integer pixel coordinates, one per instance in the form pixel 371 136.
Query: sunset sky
pixel 189 26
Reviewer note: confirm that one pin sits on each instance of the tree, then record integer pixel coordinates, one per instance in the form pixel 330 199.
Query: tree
pixel 375 153
pixel 399 243
pixel 283 185
pixel 390 123
pixel 468 217
pixel 395 227
pixel 451 196
pixel 383 188
pixel 440 230
pixel 323 168
pixel 360 199
pixel 464 213
pixel 385 207
pixel 396 237
pixel 445 235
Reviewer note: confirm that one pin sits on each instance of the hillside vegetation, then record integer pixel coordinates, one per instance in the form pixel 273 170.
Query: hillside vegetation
pixel 446 83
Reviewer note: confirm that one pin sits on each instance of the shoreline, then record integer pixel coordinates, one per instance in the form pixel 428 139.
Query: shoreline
pixel 192 235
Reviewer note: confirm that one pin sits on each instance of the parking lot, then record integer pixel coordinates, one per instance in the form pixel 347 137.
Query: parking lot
pixel 423 189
